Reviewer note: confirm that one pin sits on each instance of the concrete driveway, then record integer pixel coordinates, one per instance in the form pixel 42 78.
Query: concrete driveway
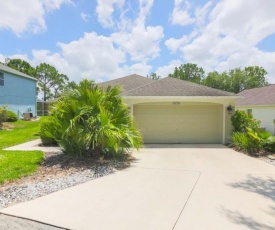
pixel 168 187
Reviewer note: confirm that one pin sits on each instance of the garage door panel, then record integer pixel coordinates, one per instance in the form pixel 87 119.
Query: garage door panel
pixel 179 124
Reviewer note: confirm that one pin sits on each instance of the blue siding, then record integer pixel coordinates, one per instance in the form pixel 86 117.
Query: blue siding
pixel 18 94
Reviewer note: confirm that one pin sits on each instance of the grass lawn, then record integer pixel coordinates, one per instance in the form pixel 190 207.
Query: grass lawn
pixel 15 164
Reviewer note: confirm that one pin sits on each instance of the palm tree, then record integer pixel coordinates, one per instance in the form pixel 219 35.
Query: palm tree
pixel 88 119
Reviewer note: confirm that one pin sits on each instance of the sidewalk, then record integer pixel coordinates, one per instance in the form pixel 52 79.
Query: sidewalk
pixel 34 145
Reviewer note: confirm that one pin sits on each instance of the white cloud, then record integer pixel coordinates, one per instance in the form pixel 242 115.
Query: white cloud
pixel 85 17
pixel 105 9
pixel 165 70
pixel 2 58
pixel 144 9
pixel 181 15
pixel 230 37
pixel 141 68
pixel 142 43
pixel 54 4
pixel 92 56
pixel 201 13
pixel 26 15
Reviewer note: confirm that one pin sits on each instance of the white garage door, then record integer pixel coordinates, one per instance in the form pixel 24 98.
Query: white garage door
pixel 179 123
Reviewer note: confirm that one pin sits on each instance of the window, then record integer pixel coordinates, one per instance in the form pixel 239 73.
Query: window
pixel 1 79
pixel 249 111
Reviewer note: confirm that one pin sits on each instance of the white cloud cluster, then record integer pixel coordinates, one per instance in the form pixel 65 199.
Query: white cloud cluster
pixel 230 38
pixel 181 15
pixel 105 9
pixel 165 70
pixel 26 15
pixel 99 57
pixel 225 35
pixel 142 43
pixel 133 37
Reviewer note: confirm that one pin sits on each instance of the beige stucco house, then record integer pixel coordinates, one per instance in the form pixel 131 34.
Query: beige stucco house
pixel 170 110
pixel 261 103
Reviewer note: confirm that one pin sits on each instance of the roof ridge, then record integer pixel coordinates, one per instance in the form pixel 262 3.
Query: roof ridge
pixel 8 69
pixel 154 81
pixel 123 78
pixel 200 85
pixel 259 87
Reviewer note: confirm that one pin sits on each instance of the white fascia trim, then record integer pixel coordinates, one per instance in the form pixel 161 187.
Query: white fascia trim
pixel 181 97
pixel 271 105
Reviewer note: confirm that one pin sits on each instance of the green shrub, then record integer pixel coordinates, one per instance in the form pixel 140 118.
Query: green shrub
pixel 242 120
pixel 240 140
pixel 48 132
pixel 87 120
pixel 3 112
pixel 269 144
pixel 253 142
pixel 248 142
pixel 11 116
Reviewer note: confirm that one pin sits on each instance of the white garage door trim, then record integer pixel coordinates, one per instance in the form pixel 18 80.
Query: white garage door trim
pixel 180 124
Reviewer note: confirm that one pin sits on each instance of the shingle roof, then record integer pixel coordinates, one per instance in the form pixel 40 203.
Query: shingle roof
pixel 258 96
pixel 174 87
pixel 13 71
pixel 129 82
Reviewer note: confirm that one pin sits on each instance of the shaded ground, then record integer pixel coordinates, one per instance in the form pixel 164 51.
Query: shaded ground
pixel 57 165
pixel 15 223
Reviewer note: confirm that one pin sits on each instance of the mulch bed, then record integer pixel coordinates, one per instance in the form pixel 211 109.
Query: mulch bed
pixel 58 165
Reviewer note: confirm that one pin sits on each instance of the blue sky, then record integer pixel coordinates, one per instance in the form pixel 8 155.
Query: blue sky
pixel 107 39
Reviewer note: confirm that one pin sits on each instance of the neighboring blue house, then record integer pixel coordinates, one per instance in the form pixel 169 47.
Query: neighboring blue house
pixel 17 91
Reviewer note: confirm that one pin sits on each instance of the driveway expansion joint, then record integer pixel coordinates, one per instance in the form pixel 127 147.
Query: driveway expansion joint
pixel 187 200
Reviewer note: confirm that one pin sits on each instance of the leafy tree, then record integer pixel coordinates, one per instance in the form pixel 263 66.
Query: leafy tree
pixel 153 76
pixel 50 81
pixel 236 80
pixel 88 120
pixel 71 85
pixel 255 76
pixel 20 65
pixel 189 72
pixel 217 80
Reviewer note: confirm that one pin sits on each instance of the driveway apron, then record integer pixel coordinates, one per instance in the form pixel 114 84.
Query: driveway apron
pixel 168 187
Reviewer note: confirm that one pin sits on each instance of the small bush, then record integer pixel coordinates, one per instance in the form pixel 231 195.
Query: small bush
pixel 11 116
pixel 48 132
pixel 240 140
pixel 242 120
pixel 269 144
pixel 246 142
pixel 3 112
pixel 253 142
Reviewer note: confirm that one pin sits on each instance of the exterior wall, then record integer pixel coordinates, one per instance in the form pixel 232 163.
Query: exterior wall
pixel 266 114
pixel 228 125
pixel 224 101
pixel 18 94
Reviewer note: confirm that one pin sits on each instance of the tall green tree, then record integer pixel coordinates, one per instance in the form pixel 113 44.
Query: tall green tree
pixel 153 76
pixel 20 65
pixel 217 80
pixel 255 76
pixel 236 80
pixel 50 81
pixel 189 72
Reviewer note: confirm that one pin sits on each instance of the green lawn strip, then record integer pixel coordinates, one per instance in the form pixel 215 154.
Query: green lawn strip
pixel 16 164
pixel 23 131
